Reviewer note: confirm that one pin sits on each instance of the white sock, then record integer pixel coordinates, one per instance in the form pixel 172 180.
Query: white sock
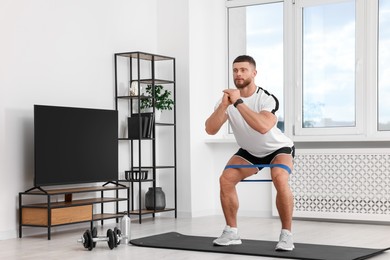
pixel 234 230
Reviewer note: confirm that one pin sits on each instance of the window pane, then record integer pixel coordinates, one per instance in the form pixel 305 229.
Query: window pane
pixel 257 31
pixel 329 65
pixel 384 66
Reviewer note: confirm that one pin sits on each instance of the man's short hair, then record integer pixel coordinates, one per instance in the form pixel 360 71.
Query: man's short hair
pixel 245 58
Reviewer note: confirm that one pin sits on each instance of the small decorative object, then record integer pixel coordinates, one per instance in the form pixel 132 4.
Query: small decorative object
pixel 157 115
pixel 160 199
pixel 136 175
pixel 134 88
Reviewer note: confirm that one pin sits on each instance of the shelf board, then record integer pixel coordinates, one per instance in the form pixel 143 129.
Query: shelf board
pixel 148 180
pixel 166 167
pixel 134 139
pixel 148 211
pixel 143 56
pixel 156 81
pixel 133 97
pixel 74 190
pixel 106 216
pixel 164 124
pixel 74 203
pixel 157 167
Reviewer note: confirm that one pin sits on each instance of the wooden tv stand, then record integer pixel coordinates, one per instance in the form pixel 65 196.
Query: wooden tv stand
pixel 67 210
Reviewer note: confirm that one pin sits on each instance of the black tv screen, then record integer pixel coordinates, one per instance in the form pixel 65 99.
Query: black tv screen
pixel 75 145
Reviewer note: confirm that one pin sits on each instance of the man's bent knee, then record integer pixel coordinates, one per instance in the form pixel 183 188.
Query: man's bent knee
pixel 228 179
pixel 280 180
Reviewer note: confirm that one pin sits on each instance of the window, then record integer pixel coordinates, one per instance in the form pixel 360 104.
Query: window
pixel 328 55
pixel 329 94
pixel 327 61
pixel 257 30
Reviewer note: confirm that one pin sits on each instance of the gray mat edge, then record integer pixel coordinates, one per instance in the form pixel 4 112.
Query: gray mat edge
pixel 136 242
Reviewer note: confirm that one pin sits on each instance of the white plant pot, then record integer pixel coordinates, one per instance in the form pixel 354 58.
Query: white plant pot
pixel 157 116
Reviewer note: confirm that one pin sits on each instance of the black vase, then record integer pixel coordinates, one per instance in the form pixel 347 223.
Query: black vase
pixel 160 199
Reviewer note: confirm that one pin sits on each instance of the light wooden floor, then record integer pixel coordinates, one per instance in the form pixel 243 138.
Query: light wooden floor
pixel 63 244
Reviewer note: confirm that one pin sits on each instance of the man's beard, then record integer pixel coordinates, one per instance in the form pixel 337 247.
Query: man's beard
pixel 244 83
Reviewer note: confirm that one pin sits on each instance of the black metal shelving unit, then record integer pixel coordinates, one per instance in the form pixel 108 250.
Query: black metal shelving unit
pixel 142 68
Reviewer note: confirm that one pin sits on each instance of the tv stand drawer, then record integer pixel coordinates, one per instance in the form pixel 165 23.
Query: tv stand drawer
pixel 39 216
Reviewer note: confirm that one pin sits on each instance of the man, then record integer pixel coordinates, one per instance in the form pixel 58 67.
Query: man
pixel 251 114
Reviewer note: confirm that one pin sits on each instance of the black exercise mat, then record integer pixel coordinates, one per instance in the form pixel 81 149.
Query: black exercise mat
pixel 173 240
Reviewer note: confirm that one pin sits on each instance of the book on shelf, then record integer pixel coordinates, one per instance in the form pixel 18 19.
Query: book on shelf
pixel 134 129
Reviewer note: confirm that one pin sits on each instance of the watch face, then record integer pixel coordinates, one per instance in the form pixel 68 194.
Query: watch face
pixel 238 101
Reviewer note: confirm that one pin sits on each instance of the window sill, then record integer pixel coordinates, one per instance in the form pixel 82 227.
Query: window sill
pixel 221 140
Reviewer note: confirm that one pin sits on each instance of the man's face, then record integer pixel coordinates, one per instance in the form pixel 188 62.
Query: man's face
pixel 243 74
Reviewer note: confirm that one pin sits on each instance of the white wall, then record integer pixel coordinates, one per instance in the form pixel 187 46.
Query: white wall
pixel 208 77
pixel 58 52
pixel 194 31
pixel 207 80
pixel 173 40
pixel 62 54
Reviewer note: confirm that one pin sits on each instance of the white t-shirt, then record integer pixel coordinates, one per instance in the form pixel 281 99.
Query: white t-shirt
pixel 257 144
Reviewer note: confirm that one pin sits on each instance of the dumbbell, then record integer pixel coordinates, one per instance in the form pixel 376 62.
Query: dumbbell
pixel 90 238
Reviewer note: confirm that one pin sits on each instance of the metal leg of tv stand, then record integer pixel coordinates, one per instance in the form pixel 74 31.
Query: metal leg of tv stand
pixel 48 217
pixel 49 232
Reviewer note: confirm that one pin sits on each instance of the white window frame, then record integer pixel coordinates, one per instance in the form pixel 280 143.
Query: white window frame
pixel 299 130
pixel 366 60
pixel 372 96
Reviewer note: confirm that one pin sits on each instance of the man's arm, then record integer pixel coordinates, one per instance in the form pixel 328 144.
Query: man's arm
pixel 262 122
pixel 218 117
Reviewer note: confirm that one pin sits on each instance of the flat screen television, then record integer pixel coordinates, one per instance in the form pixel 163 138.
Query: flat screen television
pixel 74 145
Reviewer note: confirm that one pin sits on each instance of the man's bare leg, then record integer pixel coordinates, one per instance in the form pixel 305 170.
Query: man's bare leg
pixel 284 196
pixel 284 201
pixel 228 193
pixel 229 200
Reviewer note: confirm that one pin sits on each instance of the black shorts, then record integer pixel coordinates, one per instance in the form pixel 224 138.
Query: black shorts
pixel 264 160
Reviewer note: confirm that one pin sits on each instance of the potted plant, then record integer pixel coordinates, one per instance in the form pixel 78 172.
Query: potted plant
pixel 162 99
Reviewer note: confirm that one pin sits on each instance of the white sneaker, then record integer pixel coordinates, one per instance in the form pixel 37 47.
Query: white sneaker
pixel 285 241
pixel 228 237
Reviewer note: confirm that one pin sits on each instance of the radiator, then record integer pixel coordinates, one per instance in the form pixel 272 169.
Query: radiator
pixel 347 184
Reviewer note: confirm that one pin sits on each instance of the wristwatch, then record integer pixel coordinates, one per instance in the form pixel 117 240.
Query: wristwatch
pixel 238 101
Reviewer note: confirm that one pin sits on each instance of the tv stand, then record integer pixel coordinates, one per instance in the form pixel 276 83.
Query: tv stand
pixel 36 187
pixel 67 210
pixel 112 182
